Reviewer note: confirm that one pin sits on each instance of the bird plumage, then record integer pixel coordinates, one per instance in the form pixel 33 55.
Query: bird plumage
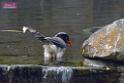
pixel 54 47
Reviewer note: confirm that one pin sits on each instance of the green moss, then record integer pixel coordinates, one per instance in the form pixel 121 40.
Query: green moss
pixel 73 63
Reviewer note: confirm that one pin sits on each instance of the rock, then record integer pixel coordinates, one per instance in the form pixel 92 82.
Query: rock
pixel 106 42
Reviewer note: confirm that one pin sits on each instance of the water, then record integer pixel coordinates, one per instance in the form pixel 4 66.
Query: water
pixel 60 74
pixel 34 74
pixel 49 19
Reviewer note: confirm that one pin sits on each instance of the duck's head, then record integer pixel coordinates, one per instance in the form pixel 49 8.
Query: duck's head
pixel 65 37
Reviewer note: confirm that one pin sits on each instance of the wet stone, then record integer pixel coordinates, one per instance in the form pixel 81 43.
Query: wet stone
pixel 107 42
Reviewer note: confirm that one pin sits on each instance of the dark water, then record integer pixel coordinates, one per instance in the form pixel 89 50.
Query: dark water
pixel 60 74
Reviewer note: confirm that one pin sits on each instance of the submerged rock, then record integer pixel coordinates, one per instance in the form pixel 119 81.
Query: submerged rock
pixel 106 42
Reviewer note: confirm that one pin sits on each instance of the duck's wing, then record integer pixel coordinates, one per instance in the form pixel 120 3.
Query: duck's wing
pixel 35 33
pixel 47 40
pixel 56 41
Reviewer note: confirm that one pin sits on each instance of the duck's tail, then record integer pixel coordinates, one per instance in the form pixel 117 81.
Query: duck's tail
pixel 25 28
pixel 35 33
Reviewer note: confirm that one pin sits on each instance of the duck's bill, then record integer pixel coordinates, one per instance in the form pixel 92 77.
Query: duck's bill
pixel 69 43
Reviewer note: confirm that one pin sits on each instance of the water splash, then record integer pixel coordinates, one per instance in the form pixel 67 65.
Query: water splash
pixel 59 74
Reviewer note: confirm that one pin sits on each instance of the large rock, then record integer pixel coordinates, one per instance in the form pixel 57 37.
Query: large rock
pixel 106 42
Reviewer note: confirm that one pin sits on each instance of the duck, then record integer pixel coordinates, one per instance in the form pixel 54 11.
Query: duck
pixel 54 47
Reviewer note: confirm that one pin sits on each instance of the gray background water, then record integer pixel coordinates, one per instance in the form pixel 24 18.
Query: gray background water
pixel 75 17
